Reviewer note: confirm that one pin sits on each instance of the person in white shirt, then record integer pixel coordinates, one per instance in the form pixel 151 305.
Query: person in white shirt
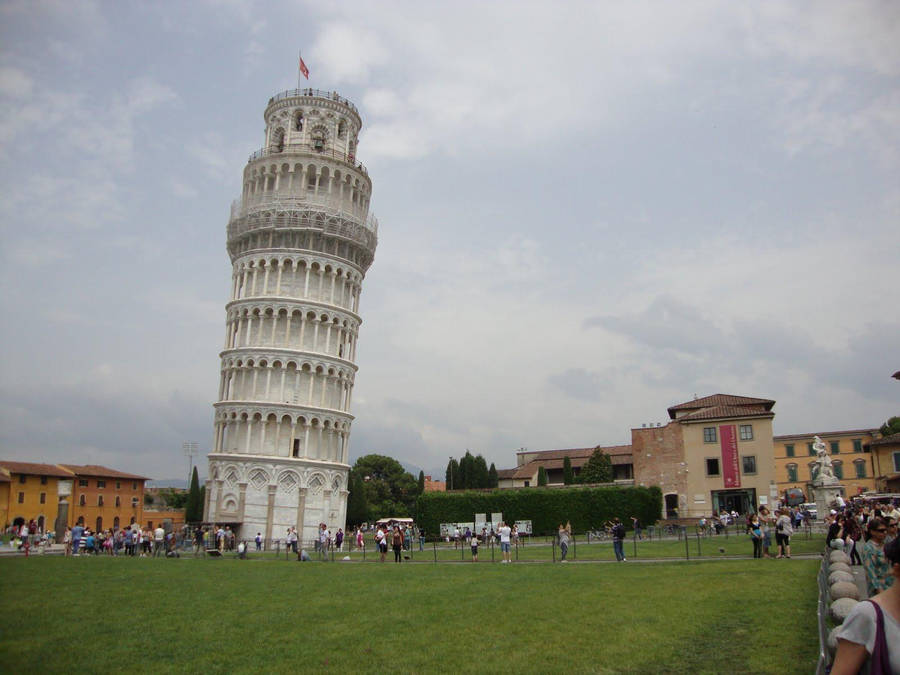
pixel 380 542
pixel 159 536
pixel 504 533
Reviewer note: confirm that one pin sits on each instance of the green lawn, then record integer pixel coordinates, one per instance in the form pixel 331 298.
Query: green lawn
pixel 226 615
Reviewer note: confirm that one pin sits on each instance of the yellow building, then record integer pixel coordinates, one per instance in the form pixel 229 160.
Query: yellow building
pixel 886 459
pixel 850 456
pixel 715 455
pixel 4 497
pixel 36 491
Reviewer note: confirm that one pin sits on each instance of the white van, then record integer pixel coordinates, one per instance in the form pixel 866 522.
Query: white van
pixel 811 507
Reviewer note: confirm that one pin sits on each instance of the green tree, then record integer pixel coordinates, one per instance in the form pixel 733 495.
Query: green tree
pixel 482 480
pixel 542 476
pixel 598 468
pixel 193 511
pixel 892 426
pixel 421 487
pixel 493 479
pixel 389 488
pixel 357 505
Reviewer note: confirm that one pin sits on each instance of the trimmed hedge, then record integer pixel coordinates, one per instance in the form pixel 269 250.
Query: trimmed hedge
pixel 585 507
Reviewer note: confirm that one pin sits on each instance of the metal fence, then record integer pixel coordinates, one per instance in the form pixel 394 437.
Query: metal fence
pixel 679 543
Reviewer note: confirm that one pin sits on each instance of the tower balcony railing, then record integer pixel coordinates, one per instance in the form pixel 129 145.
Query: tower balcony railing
pixel 313 149
pixel 332 205
pixel 318 93
pixel 266 211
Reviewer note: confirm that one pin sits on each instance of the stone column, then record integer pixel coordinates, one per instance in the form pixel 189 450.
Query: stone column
pixel 328 516
pixel 301 508
pixel 242 501
pixel 270 511
pixel 219 482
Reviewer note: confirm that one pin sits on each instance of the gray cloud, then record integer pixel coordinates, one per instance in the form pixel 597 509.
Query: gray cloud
pixel 716 191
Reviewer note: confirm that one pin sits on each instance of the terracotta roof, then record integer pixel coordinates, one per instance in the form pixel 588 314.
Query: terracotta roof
pixel 506 473
pixel 825 434
pixel 725 411
pixel 33 469
pixel 578 457
pixel 887 440
pixel 102 471
pixel 721 400
pixel 572 453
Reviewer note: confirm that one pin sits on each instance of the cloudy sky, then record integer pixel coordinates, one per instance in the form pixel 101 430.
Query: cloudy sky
pixel 589 212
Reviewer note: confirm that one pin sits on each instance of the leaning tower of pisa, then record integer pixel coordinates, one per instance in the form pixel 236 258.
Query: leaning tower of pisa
pixel 300 240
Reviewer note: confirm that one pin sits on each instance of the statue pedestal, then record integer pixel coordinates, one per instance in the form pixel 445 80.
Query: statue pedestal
pixel 824 496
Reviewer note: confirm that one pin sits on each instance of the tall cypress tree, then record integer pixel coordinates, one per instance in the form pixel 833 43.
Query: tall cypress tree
pixel 421 482
pixel 542 476
pixel 193 509
pixel 493 478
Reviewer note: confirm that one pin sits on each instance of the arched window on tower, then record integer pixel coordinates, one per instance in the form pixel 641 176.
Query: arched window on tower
pixel 298 121
pixel 342 129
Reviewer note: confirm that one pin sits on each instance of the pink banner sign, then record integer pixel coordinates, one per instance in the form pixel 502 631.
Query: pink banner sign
pixel 731 470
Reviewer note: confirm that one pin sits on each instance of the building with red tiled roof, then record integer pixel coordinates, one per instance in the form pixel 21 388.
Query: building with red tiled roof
pixel 104 498
pixel 715 453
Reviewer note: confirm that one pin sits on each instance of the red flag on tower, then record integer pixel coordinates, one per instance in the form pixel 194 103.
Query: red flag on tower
pixel 303 69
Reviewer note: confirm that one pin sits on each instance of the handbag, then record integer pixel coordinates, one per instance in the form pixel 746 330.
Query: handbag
pixel 879 661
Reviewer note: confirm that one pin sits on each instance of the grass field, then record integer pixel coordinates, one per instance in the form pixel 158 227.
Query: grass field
pixel 225 615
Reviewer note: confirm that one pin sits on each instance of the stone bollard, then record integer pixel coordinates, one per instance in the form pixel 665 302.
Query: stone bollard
pixel 840 608
pixel 834 577
pixel 839 567
pixel 844 589
pixel 839 556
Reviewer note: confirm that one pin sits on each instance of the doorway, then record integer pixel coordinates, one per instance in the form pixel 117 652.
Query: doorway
pixel 740 501
pixel 671 505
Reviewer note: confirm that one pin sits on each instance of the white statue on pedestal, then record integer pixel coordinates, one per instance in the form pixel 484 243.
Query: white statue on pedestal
pixel 825 470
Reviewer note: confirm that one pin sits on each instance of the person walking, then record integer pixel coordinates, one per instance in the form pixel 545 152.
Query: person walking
pixel 765 521
pixel 505 532
pixel 755 535
pixel 159 538
pixel 474 548
pixel 783 531
pixel 876 565
pixel 852 539
pixel 77 533
pixel 397 544
pixel 869 638
pixel 618 533
pixel 381 542
pixel 563 535
pixel 339 540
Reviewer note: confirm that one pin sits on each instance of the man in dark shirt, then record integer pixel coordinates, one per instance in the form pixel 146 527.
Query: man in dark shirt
pixel 618 533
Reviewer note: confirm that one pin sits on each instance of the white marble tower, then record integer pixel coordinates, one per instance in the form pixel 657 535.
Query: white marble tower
pixel 300 239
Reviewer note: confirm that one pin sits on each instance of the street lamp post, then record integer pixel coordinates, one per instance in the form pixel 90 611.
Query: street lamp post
pixel 190 449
